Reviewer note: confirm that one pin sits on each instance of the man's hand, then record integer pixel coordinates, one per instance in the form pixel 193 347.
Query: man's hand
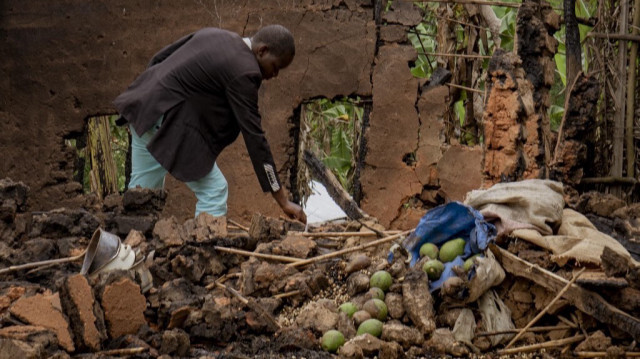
pixel 289 208
pixel 294 211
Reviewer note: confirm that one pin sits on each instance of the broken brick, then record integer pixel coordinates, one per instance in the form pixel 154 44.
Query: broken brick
pixel 12 294
pixel 44 310
pixel 123 306
pixel 169 232
pixel 265 228
pixel 78 301
pixel 295 246
pixel 205 228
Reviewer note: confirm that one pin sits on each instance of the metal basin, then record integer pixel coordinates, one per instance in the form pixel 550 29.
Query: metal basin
pixel 103 248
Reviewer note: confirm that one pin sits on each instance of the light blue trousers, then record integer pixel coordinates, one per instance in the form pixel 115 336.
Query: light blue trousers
pixel 211 190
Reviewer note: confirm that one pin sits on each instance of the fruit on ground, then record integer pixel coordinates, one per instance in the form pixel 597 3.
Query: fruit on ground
pixel 433 268
pixel 349 308
pixel 381 279
pixel 371 326
pixel 451 249
pixel 332 340
pixel 429 250
pixel 469 262
pixel 377 308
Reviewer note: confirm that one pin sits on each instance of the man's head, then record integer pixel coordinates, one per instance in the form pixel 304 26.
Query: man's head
pixel 274 48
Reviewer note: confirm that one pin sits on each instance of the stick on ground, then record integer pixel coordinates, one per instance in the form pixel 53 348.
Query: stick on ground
pixel 531 330
pixel 251 304
pixel 349 250
pixel 43 263
pixel 549 344
pixel 544 311
pixel 258 255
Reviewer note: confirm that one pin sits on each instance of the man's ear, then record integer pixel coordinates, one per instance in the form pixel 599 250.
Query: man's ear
pixel 262 50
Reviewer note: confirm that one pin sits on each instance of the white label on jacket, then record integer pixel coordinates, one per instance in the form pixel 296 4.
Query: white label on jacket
pixel 271 175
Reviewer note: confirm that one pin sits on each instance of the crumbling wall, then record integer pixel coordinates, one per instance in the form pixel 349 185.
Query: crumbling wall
pixel 577 133
pixel 408 167
pixel 517 132
pixel 67 61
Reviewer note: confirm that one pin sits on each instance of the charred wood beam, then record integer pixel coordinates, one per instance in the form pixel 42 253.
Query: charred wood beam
pixel 609 180
pixel 585 300
pixel 588 21
pixel 573 47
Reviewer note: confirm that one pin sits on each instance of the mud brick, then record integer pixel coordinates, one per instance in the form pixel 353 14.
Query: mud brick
pixel 143 200
pixel 123 224
pixel 206 228
pixel 265 228
pixel 14 192
pixel 123 306
pixel 295 246
pixel 169 232
pixel 393 33
pixel 27 342
pixel 404 13
pixel 10 296
pixel 8 211
pixel 44 310
pixel 78 302
pixel 63 222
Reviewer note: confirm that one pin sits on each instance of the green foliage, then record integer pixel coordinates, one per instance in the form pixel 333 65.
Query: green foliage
pixel 120 147
pixel 508 16
pixel 422 38
pixel 333 134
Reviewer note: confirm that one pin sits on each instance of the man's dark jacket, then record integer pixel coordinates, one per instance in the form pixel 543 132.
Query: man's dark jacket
pixel 206 85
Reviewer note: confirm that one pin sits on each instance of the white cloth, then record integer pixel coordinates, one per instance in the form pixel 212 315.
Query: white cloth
pixel 535 204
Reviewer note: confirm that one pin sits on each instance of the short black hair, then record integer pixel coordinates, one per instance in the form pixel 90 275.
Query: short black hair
pixel 278 39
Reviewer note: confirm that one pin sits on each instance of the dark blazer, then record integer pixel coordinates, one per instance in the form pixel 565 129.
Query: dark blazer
pixel 206 86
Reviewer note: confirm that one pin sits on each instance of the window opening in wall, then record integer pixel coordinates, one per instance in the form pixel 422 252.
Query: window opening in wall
pixel 102 151
pixel 332 130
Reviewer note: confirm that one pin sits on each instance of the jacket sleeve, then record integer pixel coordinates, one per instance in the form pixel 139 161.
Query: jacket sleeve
pixel 168 50
pixel 242 94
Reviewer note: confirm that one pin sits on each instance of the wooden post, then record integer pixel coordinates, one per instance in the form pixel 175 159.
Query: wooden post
pixel 618 125
pixel 104 173
pixel 631 91
pixel 573 58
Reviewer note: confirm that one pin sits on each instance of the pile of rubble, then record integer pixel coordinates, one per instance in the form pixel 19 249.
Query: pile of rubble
pixel 272 290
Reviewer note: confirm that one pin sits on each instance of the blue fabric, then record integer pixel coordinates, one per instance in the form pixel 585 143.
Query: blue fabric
pixel 446 222
pixel 211 190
